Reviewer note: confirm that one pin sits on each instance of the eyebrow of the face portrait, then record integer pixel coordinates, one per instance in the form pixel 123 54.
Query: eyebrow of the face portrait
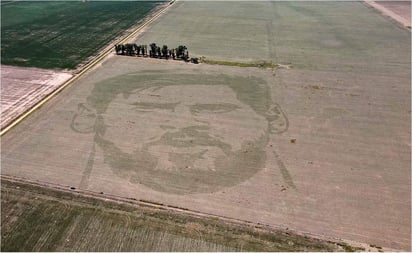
pixel 217 107
pixel 150 105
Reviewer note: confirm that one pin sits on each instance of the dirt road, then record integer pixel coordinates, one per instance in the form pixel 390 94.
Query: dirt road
pixel 398 10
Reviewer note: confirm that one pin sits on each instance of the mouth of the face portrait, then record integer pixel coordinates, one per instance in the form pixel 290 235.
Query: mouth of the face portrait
pixel 190 169
pixel 189 140
pixel 180 158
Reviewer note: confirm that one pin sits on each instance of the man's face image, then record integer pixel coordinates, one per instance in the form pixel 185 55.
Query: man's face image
pixel 185 127
pixel 181 138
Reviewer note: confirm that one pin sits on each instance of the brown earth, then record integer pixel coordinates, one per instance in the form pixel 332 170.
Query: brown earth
pixel 22 88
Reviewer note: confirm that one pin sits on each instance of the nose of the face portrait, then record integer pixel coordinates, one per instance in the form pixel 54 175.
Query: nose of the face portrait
pixel 182 110
pixel 183 117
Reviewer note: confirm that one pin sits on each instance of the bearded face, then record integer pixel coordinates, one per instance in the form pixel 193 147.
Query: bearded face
pixel 183 138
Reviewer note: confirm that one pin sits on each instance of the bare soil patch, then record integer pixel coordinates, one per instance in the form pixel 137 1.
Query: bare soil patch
pixel 22 88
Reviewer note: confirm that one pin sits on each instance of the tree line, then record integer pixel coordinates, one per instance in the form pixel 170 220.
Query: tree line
pixel 179 53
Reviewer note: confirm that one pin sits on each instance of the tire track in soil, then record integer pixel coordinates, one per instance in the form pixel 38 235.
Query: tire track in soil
pixel 285 173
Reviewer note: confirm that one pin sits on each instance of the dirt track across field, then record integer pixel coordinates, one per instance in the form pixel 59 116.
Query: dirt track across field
pixel 398 10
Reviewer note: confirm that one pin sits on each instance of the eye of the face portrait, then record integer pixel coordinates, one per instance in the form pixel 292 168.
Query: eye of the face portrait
pixel 213 108
pixel 148 107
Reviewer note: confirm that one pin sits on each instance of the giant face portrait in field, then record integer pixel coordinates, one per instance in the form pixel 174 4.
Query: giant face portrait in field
pixel 197 133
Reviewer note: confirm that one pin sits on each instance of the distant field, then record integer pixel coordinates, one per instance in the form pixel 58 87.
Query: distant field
pixel 60 34
pixel 37 219
pixel 308 35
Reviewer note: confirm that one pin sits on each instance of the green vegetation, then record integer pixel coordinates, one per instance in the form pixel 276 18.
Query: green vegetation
pixel 375 246
pixel 262 64
pixel 63 34
pixel 179 53
pixel 39 219
pixel 349 248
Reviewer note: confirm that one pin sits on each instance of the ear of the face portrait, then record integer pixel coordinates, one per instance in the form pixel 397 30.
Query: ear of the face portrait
pixel 277 119
pixel 83 120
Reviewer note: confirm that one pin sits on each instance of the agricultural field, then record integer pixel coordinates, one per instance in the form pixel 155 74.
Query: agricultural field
pixel 39 219
pixel 319 144
pixel 21 88
pixel 310 36
pixel 63 34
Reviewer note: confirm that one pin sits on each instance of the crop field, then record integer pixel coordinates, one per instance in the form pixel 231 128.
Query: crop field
pixel 63 34
pixel 307 35
pixel 38 219
pixel 320 144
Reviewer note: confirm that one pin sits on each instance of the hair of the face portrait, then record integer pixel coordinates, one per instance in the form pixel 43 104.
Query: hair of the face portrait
pixel 252 91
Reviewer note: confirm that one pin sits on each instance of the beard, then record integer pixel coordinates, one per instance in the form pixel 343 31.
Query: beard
pixel 185 159
pixel 186 162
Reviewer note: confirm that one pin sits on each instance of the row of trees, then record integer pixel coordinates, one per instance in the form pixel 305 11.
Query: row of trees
pixel 179 53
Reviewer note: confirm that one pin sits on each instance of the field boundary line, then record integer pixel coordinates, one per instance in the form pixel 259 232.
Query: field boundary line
pixel 150 204
pixel 180 210
pixel 388 13
pixel 86 68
